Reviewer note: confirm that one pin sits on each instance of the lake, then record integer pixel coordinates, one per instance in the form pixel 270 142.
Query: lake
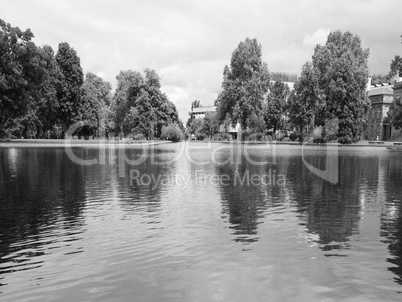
pixel 200 222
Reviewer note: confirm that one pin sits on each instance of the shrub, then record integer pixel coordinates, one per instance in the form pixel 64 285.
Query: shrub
pixel 245 135
pixel 269 138
pixel 259 136
pixel 293 136
pixel 200 136
pixel 139 137
pixel 171 133
pixel 222 137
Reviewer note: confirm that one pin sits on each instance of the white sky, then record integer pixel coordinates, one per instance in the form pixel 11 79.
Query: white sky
pixel 188 42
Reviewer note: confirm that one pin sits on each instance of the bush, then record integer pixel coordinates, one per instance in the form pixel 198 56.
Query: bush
pixel 245 134
pixel 259 136
pixel 269 138
pixel 139 137
pixel 222 137
pixel 200 136
pixel 293 136
pixel 171 133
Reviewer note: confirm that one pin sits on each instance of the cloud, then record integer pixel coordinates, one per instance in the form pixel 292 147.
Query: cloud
pixel 318 37
pixel 189 42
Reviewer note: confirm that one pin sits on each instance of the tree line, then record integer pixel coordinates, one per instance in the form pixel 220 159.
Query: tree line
pixel 43 93
pixel 330 93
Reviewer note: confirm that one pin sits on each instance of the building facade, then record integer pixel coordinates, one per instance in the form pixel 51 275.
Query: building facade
pixel 377 127
pixel 200 112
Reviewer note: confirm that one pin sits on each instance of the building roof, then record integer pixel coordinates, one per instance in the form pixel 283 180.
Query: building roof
pixel 380 90
pixel 204 109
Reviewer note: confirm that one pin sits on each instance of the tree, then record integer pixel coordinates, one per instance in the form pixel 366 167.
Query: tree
pixel 342 70
pixel 379 79
pixel 172 133
pixel 95 100
pixel 210 125
pixel 304 100
pixel 256 123
pixel 395 68
pixel 140 106
pixel 20 75
pixel 68 92
pixel 48 105
pixel 244 85
pixel 128 82
pixel 275 105
pixel 395 116
pixel 196 125
pixel 395 111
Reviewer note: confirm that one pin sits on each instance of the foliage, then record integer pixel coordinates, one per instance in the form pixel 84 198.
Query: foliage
pixel 256 123
pixel 43 94
pixel 140 106
pixel 294 136
pixel 222 137
pixel 20 74
pixel 171 132
pixel 196 125
pixel 379 79
pixel 95 100
pixel 275 106
pixel 48 105
pixel 342 70
pixel 126 81
pixel 210 125
pixel 68 92
pixel 259 136
pixel 395 67
pixel 395 112
pixel 200 136
pixel 244 85
pixel 304 100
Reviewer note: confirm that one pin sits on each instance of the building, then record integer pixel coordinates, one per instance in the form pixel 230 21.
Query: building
pixel 377 127
pixel 200 112
pixel 382 97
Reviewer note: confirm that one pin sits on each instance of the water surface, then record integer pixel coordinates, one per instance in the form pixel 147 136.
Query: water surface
pixel 220 224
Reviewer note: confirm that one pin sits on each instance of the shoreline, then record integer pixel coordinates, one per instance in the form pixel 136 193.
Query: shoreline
pixel 13 143
pixel 26 143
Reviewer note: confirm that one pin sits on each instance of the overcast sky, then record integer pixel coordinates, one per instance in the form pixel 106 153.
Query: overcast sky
pixel 188 42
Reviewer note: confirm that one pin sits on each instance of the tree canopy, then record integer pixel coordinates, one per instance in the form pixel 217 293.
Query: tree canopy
pixel 245 83
pixel 275 105
pixel 341 66
pixel 140 106
pixel 42 93
pixel 304 100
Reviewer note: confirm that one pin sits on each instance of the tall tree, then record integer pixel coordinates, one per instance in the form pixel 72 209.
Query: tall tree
pixel 95 100
pixel 128 83
pixel 139 105
pixel 48 105
pixel 342 76
pixel 211 124
pixel 20 74
pixel 245 83
pixel 72 79
pixel 304 100
pixel 275 106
